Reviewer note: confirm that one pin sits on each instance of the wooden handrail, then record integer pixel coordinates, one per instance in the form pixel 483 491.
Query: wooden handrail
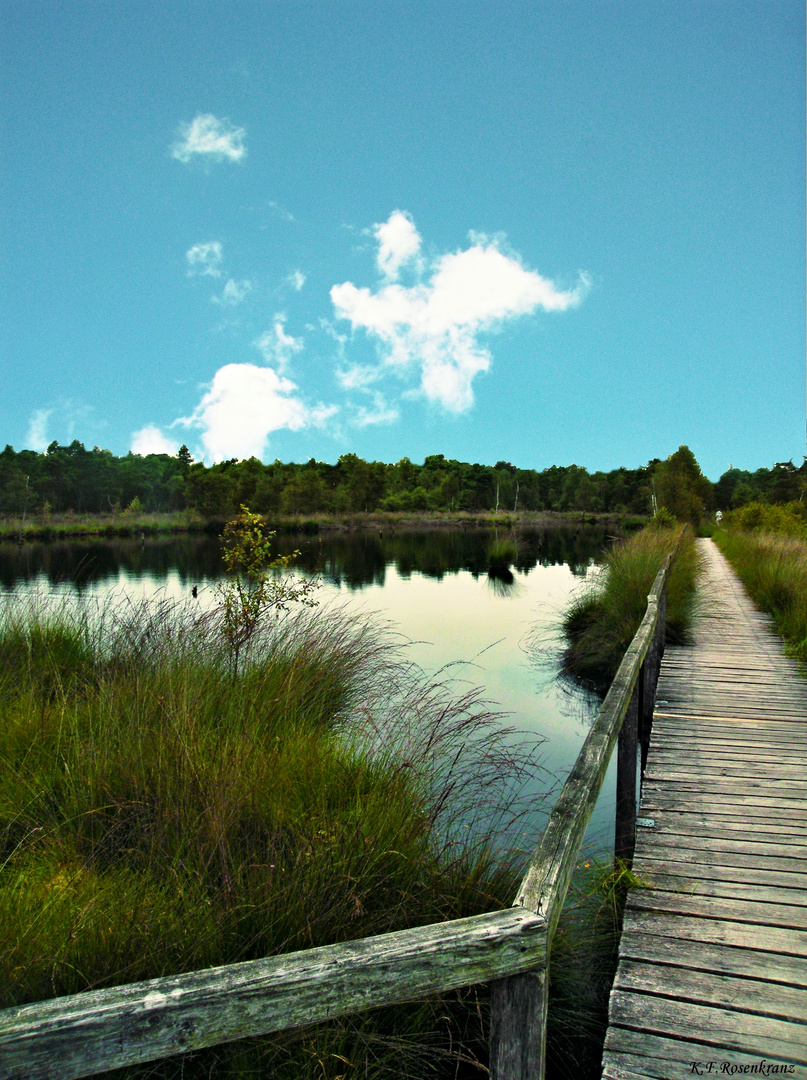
pixel 520 1002
pixel 92 1032
pixel 96 1031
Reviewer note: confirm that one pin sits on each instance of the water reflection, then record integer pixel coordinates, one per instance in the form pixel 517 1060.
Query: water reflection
pixel 355 559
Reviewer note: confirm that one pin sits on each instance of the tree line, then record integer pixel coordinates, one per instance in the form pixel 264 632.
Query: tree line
pixel 74 479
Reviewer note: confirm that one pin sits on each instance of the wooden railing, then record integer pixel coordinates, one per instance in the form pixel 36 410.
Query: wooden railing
pixel 93 1032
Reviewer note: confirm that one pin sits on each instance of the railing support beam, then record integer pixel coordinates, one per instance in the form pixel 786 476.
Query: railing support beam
pixel 518 1026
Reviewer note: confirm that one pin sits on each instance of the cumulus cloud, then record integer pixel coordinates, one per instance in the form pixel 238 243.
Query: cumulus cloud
pixel 433 327
pixel 234 292
pixel 244 405
pixel 210 138
pixel 150 440
pixel 36 438
pixel 205 259
pixel 296 280
pixel 277 346
pixel 398 243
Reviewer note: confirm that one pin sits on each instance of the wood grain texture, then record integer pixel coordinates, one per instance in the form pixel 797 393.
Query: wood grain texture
pixel 89 1033
pixel 713 957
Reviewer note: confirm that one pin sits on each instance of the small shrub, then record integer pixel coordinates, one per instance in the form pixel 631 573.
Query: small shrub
pixel 787 519
pixel 256 581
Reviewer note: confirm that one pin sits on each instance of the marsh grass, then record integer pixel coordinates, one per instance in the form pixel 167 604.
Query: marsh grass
pixel 100 526
pixel 602 620
pixel 502 552
pixel 773 567
pixel 160 814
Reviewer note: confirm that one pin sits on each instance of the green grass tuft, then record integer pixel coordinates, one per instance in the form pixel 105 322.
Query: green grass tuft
pixel 602 620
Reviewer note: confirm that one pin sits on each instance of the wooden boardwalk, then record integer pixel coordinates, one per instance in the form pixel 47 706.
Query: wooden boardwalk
pixel 712 973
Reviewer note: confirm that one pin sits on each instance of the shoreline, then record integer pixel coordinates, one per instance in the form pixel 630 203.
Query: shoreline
pixel 142 526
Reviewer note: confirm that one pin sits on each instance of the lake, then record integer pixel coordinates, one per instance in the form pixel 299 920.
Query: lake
pixel 431 585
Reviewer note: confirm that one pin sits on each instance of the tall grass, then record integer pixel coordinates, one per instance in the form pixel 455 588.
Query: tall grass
pixel 159 814
pixel 601 621
pixel 773 568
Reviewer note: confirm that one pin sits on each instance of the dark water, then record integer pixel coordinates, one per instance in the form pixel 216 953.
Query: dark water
pixel 431 585
pixel 354 558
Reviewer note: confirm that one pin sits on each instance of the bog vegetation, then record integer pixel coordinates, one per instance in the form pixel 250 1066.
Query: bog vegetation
pixel 602 619
pixel 767 545
pixel 183 788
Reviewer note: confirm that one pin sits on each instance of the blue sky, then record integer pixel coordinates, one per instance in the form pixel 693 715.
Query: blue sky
pixel 538 232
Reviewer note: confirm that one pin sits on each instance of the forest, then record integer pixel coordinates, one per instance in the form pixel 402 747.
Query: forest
pixel 65 479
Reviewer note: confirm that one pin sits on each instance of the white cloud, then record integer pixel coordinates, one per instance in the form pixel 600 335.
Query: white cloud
pixel 358 377
pixel 244 404
pixel 204 259
pixel 433 327
pixel 150 440
pixel 296 280
pixel 206 135
pixel 235 292
pixel 398 243
pixel 36 438
pixel 379 413
pixel 277 346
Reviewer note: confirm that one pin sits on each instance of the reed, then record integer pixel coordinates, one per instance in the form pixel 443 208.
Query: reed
pixel 160 813
pixel 602 619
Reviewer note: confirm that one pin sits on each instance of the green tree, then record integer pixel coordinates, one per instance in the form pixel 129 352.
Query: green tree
pixel 681 487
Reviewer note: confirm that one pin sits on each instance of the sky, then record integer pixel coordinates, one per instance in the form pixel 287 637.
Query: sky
pixel 531 232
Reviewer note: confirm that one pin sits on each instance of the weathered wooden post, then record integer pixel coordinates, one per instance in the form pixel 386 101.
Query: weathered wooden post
pixel 625 832
pixel 518 1026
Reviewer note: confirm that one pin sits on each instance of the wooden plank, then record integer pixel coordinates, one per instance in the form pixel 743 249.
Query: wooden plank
pixel 667 797
pixel 753 996
pixel 699 720
pixel 745 727
pixel 729 741
pixel 719 824
pixel 720 959
pixel 718 907
pixel 767 776
pixel 708 846
pixel 767 786
pixel 728 751
pixel 690 928
pixel 94 1032
pixel 695 885
pixel 685 794
pixel 737 859
pixel 780 879
pixel 660 1058
pixel 745 1032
